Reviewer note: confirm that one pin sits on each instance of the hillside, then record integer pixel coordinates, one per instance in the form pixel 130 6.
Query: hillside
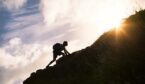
pixel 117 57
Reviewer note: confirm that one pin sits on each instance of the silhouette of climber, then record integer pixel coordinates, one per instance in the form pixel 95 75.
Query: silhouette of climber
pixel 57 50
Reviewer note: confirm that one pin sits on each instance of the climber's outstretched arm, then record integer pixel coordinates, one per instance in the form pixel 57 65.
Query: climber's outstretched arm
pixel 66 52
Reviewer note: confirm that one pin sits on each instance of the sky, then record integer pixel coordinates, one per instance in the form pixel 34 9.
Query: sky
pixel 29 28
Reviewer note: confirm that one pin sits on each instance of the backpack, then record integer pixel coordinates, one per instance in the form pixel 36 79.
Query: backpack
pixel 57 47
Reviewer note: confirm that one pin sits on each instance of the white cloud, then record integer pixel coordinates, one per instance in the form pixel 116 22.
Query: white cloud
pixel 17 54
pixel 54 10
pixel 89 17
pixel 13 4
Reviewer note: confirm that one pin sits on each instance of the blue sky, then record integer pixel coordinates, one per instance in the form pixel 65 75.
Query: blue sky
pixel 29 28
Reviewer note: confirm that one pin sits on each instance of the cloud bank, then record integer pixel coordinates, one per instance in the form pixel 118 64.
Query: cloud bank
pixel 13 4
pixel 86 14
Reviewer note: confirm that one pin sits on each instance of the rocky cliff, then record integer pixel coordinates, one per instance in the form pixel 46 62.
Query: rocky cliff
pixel 117 57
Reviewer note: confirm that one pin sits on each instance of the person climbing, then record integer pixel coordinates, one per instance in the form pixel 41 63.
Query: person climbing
pixel 57 50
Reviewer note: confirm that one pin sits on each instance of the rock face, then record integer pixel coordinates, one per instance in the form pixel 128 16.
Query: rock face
pixel 117 57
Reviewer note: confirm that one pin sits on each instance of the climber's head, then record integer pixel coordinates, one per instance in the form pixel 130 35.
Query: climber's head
pixel 65 43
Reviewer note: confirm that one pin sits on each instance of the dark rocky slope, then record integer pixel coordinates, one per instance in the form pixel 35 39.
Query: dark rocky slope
pixel 117 57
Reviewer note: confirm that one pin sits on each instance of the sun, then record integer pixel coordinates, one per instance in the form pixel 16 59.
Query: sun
pixel 109 19
pixel 110 24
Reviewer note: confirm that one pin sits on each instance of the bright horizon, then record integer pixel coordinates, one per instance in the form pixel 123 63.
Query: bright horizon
pixel 29 28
